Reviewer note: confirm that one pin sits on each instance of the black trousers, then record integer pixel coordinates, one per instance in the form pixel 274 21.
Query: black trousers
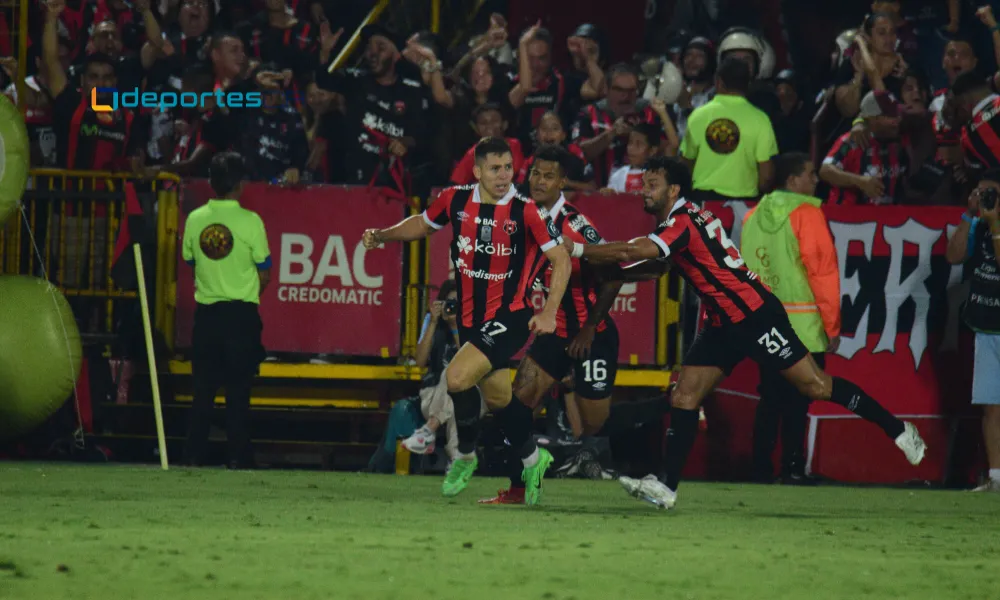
pixel 780 403
pixel 226 353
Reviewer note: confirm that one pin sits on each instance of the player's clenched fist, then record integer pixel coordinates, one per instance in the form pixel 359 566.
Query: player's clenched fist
pixel 371 239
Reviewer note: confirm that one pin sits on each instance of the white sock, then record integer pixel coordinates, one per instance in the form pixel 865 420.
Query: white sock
pixel 995 475
pixel 532 460
pixel 466 456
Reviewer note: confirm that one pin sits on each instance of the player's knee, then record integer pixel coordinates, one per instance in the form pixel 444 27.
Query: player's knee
pixel 684 399
pixel 458 380
pixel 594 413
pixel 817 386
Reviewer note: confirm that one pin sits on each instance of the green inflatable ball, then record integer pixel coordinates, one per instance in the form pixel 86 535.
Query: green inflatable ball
pixel 40 353
pixel 14 157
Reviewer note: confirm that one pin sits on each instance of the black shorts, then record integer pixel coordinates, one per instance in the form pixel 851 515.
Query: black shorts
pixel 594 376
pixel 500 338
pixel 766 337
pixel 226 341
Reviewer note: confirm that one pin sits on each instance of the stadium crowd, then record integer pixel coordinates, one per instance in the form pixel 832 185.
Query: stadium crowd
pixel 407 116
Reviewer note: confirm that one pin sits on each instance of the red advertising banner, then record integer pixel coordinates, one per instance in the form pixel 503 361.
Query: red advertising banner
pixel 328 295
pixel 616 218
pixel 899 325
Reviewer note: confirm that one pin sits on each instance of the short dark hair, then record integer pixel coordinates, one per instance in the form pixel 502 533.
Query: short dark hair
pixel 674 170
pixel 491 145
pixel 543 35
pixel 789 164
pixel 98 58
pixel 226 172
pixel 735 74
pixel 993 175
pixel 485 108
pixel 221 35
pixel 869 24
pixel 556 154
pixel 968 82
pixel 649 131
pixel 447 287
pixel 622 68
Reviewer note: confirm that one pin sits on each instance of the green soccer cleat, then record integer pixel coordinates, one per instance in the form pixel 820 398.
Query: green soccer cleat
pixel 532 477
pixel 458 476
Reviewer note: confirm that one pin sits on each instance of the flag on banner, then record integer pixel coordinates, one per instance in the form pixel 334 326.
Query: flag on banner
pixel 132 231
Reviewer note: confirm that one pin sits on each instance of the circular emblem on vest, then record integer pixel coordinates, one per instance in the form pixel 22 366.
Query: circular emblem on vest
pixel 216 241
pixel 723 136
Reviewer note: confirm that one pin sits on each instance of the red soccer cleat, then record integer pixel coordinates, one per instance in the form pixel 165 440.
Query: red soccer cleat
pixel 511 496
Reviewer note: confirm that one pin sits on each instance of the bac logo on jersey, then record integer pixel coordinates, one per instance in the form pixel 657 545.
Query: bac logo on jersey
pixel 510 227
pixel 487 222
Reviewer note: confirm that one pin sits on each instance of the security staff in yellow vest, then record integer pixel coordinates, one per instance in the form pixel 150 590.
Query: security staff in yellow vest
pixel 729 141
pixel 787 242
pixel 227 246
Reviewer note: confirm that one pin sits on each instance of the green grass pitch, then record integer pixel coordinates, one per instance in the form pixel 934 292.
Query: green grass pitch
pixel 109 532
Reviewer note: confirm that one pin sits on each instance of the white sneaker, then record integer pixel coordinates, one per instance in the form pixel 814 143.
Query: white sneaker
pixel 991 485
pixel 911 444
pixel 421 442
pixel 649 489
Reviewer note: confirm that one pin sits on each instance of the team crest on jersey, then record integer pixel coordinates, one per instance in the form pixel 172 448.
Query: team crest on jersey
pixel 723 136
pixel 590 234
pixel 216 241
pixel 399 107
pixel 553 231
pixel 510 227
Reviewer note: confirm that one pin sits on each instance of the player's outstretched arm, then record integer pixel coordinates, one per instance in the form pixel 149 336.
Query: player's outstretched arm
pixel 562 267
pixel 614 252
pixel 407 230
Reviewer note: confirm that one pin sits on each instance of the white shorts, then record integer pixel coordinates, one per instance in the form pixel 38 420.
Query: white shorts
pixel 986 369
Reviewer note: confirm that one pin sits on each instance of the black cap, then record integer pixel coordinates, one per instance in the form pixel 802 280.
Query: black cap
pixel 370 31
pixel 786 76
pixel 593 32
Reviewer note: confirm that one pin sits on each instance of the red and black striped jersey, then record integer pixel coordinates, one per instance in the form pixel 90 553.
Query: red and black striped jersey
pixel 981 137
pixel 498 249
pixel 943 134
pixel 550 94
pixel 695 240
pixel 90 140
pixel 886 160
pixel 581 293
pixel 595 119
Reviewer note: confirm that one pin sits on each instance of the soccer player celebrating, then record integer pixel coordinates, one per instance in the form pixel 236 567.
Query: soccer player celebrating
pixel 584 340
pixel 501 243
pixel 746 320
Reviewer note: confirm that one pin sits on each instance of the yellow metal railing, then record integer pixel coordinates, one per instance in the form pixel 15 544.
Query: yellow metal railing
pixel 66 233
pixel 355 39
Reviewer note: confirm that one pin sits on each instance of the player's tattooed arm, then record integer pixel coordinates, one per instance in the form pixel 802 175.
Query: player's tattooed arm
pixel 407 230
pixel 614 252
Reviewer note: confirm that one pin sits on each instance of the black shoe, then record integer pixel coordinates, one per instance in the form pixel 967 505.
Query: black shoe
pixel 799 479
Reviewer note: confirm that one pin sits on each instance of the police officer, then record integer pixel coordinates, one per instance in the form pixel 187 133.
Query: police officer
pixel 227 246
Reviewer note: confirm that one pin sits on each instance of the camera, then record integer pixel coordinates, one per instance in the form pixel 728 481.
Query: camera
pixel 450 307
pixel 988 198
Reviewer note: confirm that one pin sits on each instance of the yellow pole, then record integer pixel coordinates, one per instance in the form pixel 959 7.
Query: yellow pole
pixel 151 356
pixel 355 38
pixel 435 16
